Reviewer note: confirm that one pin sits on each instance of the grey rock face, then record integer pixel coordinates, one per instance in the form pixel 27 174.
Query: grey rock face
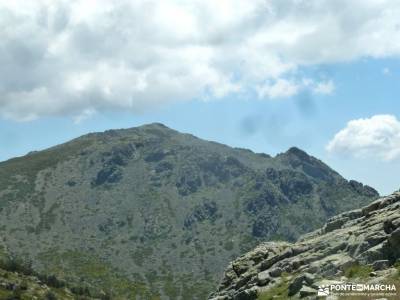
pixel 296 285
pixel 380 264
pixel 263 278
pixel 362 243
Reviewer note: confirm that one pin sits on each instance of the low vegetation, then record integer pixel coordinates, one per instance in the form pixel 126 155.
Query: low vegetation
pixel 20 281
pixel 277 292
pixel 358 271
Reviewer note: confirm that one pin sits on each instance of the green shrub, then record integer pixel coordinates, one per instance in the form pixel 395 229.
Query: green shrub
pixel 358 271
pixel 80 290
pixel 23 286
pixel 50 296
pixel 16 295
pixel 52 281
pixel 106 296
pixel 17 265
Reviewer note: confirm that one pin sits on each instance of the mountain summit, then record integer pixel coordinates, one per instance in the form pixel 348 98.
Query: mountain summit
pixel 152 212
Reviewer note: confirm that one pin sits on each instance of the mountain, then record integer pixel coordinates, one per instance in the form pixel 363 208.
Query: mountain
pixel 361 246
pixel 152 212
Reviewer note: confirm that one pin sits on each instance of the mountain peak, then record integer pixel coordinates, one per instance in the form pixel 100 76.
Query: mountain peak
pixel 154 125
pixel 298 152
pixel 313 167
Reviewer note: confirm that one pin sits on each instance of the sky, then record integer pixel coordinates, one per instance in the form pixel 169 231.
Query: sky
pixel 265 75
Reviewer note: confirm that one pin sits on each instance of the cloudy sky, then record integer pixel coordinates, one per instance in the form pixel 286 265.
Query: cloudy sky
pixel 322 75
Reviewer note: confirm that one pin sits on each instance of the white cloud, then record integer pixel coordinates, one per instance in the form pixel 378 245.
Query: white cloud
pixel 376 137
pixel 280 89
pixel 86 114
pixel 283 88
pixel 324 87
pixel 62 57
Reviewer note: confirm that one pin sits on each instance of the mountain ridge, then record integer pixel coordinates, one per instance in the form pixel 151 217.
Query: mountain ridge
pixel 159 211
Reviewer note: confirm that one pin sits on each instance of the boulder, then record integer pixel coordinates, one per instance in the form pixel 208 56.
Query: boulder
pixel 371 207
pixel 375 239
pixel 307 291
pixel 296 285
pixel 335 224
pixel 380 264
pixel 250 294
pixel 309 278
pixel 373 274
pixel 373 254
pixel 263 278
pixel 394 238
pixel 276 272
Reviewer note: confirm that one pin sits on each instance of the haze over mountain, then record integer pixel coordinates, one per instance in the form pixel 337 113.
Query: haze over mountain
pixel 151 212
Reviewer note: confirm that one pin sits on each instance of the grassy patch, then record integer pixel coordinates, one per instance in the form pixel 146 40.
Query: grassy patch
pixel 278 291
pixel 396 275
pixel 358 271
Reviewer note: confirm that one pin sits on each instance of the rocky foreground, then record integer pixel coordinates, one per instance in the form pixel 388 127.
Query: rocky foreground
pixel 360 246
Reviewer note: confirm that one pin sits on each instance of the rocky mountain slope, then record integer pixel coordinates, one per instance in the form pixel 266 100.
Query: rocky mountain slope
pixel 151 212
pixel 359 246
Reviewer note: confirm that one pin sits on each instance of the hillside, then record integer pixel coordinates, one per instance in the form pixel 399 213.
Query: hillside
pixel 18 281
pixel 152 212
pixel 18 286
pixel 361 246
